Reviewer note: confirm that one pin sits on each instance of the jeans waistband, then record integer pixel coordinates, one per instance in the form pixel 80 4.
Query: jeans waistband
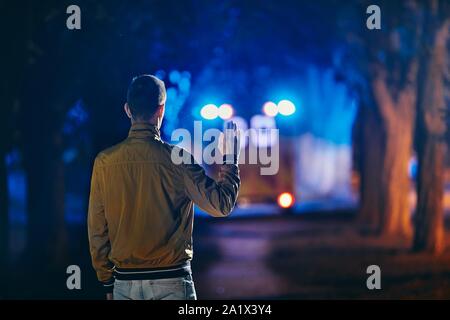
pixel 176 271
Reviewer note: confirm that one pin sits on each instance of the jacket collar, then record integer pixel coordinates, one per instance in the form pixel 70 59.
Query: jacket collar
pixel 144 130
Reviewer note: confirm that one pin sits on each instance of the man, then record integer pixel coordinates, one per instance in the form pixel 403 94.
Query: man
pixel 141 204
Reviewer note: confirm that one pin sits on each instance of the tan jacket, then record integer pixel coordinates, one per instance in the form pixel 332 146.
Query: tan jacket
pixel 141 203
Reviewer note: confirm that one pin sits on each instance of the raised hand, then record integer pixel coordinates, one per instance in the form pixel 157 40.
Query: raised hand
pixel 230 145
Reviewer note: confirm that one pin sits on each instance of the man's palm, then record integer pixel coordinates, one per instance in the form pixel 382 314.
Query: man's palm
pixel 229 143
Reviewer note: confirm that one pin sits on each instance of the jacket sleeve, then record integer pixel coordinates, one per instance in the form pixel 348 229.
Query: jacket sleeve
pixel 99 244
pixel 217 198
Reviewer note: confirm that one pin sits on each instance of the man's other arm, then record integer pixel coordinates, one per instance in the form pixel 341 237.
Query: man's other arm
pixel 99 244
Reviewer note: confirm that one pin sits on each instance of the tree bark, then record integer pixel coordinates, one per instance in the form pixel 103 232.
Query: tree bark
pixel 429 219
pixel 368 144
pixel 398 117
pixel 385 152
pixel 396 214
pixel 431 127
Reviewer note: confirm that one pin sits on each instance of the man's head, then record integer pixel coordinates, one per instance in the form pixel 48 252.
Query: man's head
pixel 146 99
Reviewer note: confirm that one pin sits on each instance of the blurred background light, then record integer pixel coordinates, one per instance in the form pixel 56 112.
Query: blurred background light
pixel 171 94
pixel 174 76
pixel 413 167
pixel 184 84
pixel 286 107
pixel 209 112
pixel 264 134
pixel 270 109
pixel 226 111
pixel 186 75
pixel 285 200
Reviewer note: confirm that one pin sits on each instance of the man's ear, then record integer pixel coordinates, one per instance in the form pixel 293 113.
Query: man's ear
pixel 162 109
pixel 126 107
pixel 160 115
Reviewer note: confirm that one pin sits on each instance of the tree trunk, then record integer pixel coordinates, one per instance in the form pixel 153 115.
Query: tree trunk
pixel 396 215
pixel 368 147
pixel 397 115
pixel 384 156
pixel 429 219
pixel 431 127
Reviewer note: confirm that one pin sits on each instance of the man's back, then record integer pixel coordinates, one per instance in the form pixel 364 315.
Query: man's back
pixel 141 203
pixel 149 216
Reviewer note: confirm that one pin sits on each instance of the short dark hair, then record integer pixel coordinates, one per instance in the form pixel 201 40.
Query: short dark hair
pixel 145 94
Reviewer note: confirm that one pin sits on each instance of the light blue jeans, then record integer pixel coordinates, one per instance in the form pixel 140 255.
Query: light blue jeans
pixel 161 289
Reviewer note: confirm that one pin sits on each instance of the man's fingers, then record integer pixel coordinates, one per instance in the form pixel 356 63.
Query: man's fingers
pixel 231 125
